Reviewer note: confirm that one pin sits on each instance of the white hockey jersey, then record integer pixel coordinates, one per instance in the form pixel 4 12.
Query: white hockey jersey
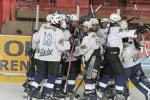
pixel 101 38
pixel 130 56
pixel 101 34
pixel 66 56
pixel 34 41
pixel 115 37
pixel 67 34
pixel 87 46
pixel 51 43
pixel 35 36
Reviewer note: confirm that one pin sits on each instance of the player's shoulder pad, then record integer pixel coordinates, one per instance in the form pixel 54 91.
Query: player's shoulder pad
pixel 46 26
pixel 93 34
pixel 67 31
pixel 59 30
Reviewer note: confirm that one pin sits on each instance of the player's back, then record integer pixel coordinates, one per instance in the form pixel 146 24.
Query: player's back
pixel 47 43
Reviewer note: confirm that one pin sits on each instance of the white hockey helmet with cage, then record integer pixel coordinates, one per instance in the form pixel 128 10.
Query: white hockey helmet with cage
pixel 87 23
pixel 56 19
pixel 123 24
pixel 94 21
pixel 49 17
pixel 74 17
pixel 114 18
pixel 104 20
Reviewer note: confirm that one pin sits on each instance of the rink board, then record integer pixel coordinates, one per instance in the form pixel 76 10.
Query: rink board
pixel 13 57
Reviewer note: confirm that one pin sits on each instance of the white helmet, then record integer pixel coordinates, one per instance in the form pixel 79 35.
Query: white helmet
pixel 104 20
pixel 74 17
pixel 48 18
pixel 63 21
pixel 87 23
pixel 114 18
pixel 123 24
pixel 94 21
pixel 56 19
pixel 55 13
pixel 63 17
pixel 63 24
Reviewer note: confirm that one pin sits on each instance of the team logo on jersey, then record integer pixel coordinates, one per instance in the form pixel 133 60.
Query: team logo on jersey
pixel 83 47
pixel 135 58
pixel 93 36
pixel 61 42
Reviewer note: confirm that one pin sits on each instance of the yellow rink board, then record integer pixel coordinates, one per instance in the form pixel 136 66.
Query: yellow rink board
pixel 13 57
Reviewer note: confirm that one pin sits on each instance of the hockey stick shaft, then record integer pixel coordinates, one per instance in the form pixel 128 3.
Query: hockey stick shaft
pixel 98 8
pixel 83 61
pixel 98 76
pixel 145 48
pixel 146 88
pixel 79 85
pixel 91 7
pixel 78 10
pixel 69 65
pixel 37 17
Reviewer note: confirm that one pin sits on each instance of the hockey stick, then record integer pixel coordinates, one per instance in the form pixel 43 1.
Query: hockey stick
pixel 79 84
pixel 84 75
pixel 93 13
pixel 36 28
pixel 145 48
pixel 98 75
pixel 37 17
pixel 92 10
pixel 37 21
pixel 71 53
pixel 129 20
pixel 98 8
pixel 69 65
pixel 72 49
pixel 147 89
pixel 78 9
pixel 90 15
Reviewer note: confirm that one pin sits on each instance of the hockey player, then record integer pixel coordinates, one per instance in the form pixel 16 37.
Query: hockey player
pixel 67 35
pixel 95 24
pixel 132 64
pixel 48 54
pixel 75 62
pixel 104 23
pixel 72 35
pixel 95 28
pixel 102 32
pixel 112 64
pixel 64 27
pixel 90 56
pixel 31 72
